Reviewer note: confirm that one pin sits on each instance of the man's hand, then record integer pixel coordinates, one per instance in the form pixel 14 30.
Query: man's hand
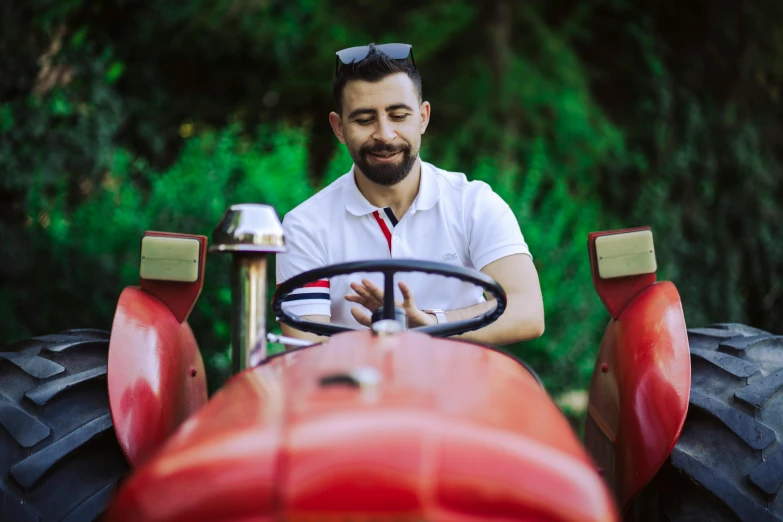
pixel 522 320
pixel 371 298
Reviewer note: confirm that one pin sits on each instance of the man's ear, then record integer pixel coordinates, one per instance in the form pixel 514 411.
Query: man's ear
pixel 424 109
pixel 337 126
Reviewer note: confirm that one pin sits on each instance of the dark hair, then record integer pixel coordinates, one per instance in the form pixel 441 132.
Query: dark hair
pixel 373 68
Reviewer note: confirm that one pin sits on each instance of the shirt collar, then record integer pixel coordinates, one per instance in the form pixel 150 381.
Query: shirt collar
pixel 429 189
pixel 355 202
pixel 429 192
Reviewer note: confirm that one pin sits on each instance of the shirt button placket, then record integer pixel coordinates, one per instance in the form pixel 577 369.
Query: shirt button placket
pixel 395 243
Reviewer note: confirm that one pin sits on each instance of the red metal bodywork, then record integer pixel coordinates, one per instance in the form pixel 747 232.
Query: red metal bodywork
pixel 641 382
pixel 156 375
pixel 452 432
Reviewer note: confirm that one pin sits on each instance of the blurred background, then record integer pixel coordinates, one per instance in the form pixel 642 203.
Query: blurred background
pixel 122 116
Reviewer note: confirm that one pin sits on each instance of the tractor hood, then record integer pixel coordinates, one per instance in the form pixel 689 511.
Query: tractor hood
pixel 396 427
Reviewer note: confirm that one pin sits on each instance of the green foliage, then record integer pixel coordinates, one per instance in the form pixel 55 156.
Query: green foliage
pixel 216 170
pixel 120 117
pixel 547 174
pixel 704 168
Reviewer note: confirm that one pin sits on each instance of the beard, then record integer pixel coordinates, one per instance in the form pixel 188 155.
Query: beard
pixel 386 174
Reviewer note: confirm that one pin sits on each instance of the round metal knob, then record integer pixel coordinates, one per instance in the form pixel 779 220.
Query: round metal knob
pixel 248 227
pixel 387 327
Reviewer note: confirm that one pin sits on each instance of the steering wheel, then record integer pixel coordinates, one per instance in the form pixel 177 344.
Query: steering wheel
pixel 389 268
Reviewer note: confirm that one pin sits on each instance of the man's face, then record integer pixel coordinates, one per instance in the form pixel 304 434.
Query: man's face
pixel 381 125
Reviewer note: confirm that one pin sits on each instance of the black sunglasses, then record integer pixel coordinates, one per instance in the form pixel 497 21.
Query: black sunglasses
pixel 395 51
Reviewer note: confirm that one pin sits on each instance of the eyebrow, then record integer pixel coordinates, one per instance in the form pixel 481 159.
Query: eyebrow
pixel 389 108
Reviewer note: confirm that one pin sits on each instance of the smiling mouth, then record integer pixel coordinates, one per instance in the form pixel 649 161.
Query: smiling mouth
pixel 385 155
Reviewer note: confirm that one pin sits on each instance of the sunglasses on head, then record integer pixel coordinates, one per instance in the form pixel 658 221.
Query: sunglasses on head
pixel 395 51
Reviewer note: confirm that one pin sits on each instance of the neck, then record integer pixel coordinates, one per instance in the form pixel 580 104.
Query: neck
pixel 399 197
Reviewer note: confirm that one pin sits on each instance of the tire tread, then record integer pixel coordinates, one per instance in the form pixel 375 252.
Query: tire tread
pixel 59 456
pixel 726 464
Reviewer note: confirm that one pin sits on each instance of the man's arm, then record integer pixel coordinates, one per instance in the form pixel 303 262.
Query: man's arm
pixel 523 318
pixel 496 244
pixel 305 251
pixel 288 331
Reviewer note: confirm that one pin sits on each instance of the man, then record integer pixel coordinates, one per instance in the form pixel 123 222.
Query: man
pixel 391 204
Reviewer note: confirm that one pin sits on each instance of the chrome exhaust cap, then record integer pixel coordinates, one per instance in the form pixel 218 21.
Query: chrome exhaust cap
pixel 250 233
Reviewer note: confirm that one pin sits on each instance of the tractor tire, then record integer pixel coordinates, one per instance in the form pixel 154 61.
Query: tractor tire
pixel 59 457
pixel 728 462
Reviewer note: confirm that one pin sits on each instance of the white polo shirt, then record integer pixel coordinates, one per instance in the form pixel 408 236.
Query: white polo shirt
pixel 452 220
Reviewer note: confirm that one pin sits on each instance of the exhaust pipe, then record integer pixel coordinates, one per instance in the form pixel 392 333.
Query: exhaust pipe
pixel 250 233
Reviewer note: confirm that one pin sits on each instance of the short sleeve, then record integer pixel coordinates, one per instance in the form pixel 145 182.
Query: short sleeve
pixel 493 230
pixel 304 251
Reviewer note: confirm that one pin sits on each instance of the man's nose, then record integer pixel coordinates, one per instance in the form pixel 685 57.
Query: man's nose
pixel 384 131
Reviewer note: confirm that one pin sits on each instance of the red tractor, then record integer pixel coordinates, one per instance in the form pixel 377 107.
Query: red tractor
pixel 385 423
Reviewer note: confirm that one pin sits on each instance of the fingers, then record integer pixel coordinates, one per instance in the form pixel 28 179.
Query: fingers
pixel 362 291
pixel 406 293
pixel 361 317
pixel 415 316
pixel 370 295
pixel 407 296
pixel 376 292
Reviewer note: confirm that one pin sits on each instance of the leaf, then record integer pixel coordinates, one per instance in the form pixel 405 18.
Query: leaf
pixel 6 118
pixel 79 37
pixel 115 72
pixel 60 105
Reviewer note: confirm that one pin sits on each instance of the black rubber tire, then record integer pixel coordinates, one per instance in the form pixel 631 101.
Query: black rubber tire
pixel 728 463
pixel 59 457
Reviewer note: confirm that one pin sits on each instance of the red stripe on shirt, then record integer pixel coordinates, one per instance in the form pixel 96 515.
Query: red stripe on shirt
pixel 320 284
pixel 323 283
pixel 384 228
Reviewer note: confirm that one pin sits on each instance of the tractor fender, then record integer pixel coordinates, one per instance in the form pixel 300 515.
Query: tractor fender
pixel 156 375
pixel 640 390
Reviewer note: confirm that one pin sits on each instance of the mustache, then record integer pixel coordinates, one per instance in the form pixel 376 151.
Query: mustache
pixel 384 149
